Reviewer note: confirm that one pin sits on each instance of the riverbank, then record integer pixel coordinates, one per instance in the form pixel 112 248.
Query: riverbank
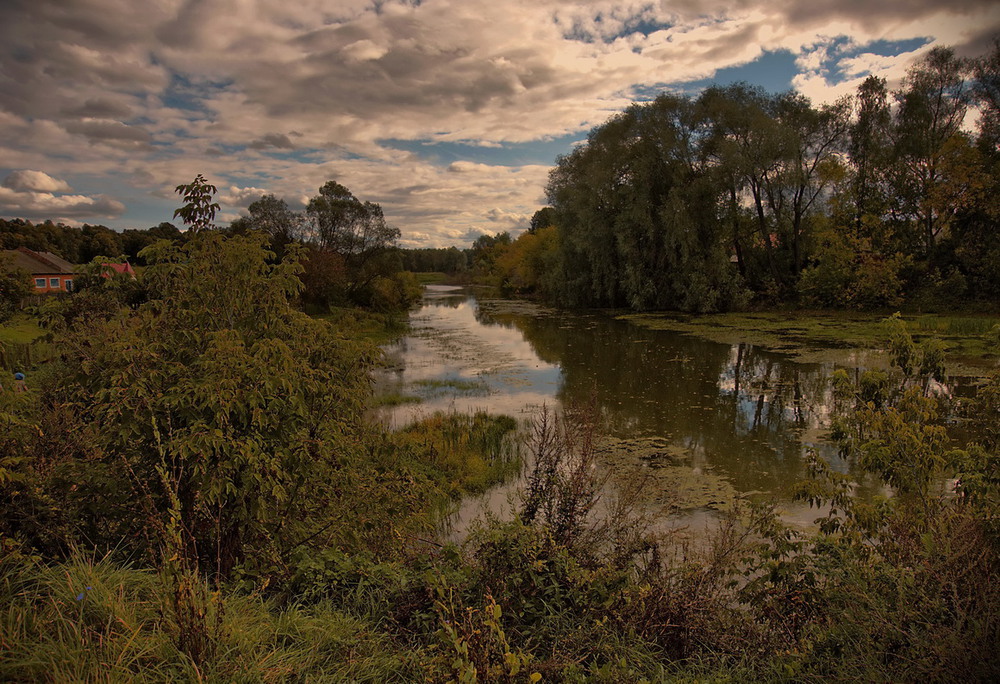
pixel 836 336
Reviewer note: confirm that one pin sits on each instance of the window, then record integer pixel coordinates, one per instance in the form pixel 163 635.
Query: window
pixel 40 283
pixel 69 284
pixel 53 283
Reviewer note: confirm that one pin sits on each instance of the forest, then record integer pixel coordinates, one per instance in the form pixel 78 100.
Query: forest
pixel 191 488
pixel 738 198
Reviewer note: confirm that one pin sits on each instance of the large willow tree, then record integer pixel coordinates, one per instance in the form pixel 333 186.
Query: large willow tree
pixel 637 215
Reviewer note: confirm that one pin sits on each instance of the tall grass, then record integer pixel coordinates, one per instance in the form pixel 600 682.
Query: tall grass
pixel 471 451
pixel 91 619
pixel 956 325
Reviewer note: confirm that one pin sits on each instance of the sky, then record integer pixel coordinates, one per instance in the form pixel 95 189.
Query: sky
pixel 448 113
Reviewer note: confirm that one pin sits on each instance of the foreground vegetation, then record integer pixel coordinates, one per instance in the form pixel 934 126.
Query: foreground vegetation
pixel 190 492
pixel 902 589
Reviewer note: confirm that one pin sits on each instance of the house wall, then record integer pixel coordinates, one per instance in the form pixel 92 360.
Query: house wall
pixel 52 283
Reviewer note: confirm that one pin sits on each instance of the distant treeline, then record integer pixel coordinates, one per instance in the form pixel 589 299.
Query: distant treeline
pixel 351 254
pixel 449 260
pixel 740 196
pixel 81 245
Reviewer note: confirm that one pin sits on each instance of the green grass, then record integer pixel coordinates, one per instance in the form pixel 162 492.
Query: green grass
pixel 954 325
pixel 360 324
pixel 466 452
pixel 394 399
pixel 21 329
pixel 448 385
pixel 94 620
pixel 21 345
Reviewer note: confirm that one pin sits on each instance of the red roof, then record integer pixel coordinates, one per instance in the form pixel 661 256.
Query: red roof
pixel 121 268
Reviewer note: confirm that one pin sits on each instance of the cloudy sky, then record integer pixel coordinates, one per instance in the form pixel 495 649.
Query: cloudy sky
pixel 449 113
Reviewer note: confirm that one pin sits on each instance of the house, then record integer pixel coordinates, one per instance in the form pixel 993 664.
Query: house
pixel 49 272
pixel 123 268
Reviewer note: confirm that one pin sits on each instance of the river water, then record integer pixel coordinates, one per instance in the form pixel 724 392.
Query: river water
pixel 730 413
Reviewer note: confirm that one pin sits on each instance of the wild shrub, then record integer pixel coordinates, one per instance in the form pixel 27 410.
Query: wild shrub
pixel 902 588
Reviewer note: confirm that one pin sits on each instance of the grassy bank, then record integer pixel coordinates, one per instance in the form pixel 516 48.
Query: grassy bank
pixel 21 329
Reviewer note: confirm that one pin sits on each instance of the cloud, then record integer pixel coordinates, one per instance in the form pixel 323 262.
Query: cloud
pixel 507 220
pixel 44 205
pixel 34 181
pixel 33 195
pixel 363 51
pixel 100 108
pixel 241 197
pixel 100 130
pixel 275 140
pixel 150 94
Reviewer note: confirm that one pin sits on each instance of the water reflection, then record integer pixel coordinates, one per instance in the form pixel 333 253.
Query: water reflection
pixel 738 410
pixel 452 362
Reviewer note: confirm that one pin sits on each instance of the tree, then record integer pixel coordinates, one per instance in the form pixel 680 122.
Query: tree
pixel 543 218
pixel 98 241
pixel 986 93
pixel 816 139
pixel 165 231
pixel 355 230
pixel 199 210
pixel 932 106
pixel 745 147
pixel 273 217
pixel 870 154
pixel 486 252
pixel 324 279
pixel 530 264
pixel 636 211
pixel 15 285
pixel 219 404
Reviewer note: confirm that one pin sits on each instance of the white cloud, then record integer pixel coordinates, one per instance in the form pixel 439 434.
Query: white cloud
pixel 240 197
pixel 287 95
pixel 363 51
pixel 45 205
pixel 34 181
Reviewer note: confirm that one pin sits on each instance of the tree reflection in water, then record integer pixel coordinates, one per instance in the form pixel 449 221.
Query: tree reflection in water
pixel 738 410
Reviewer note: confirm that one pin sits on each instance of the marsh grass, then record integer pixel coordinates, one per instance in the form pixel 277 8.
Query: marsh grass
pixel 470 451
pixel 360 324
pixel 394 399
pixel 955 325
pixel 806 334
pixel 431 277
pixel 452 386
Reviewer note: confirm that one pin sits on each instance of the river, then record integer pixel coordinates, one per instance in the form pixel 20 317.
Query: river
pixel 728 414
